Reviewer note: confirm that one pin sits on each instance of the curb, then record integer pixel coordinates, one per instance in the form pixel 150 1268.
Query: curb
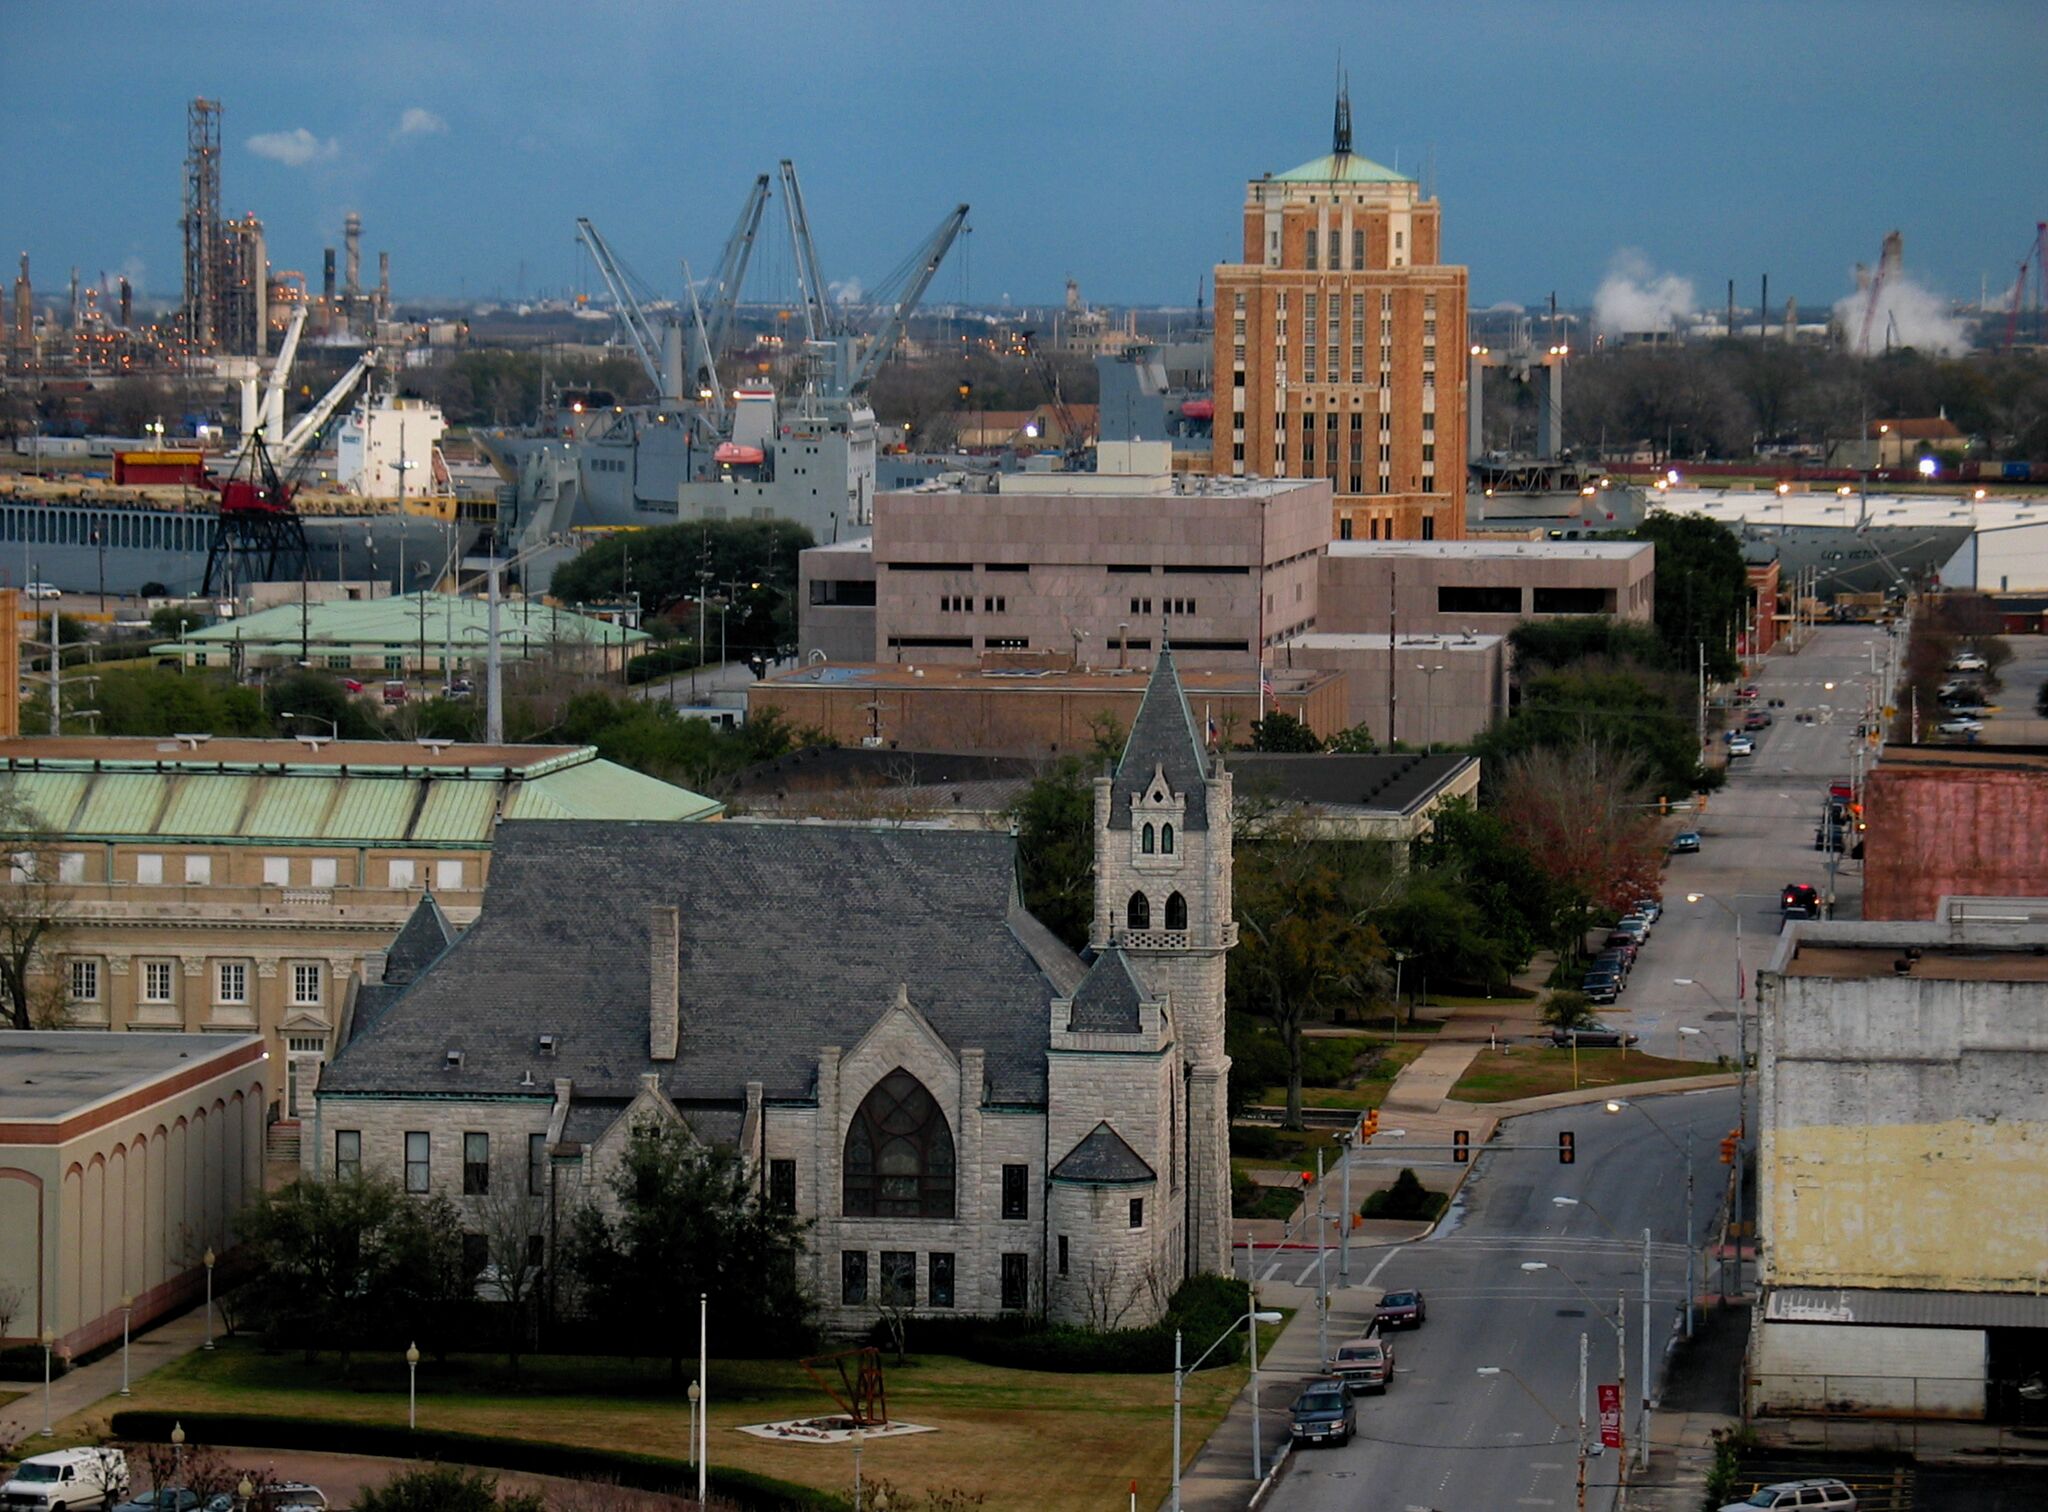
pixel 1265 1487
pixel 1520 1106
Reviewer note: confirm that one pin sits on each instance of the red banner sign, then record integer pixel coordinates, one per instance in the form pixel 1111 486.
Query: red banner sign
pixel 1610 1414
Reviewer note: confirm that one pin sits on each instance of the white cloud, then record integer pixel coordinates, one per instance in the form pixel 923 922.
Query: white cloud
pixel 294 148
pixel 420 121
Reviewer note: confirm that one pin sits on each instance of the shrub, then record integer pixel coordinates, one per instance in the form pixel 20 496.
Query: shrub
pixel 444 1488
pixel 1406 1198
pixel 1256 1199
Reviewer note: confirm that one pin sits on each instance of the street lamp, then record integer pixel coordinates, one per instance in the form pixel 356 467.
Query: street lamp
pixel 127 1311
pixel 49 1347
pixel 1508 1371
pixel 703 1375
pixel 1741 1080
pixel 245 1492
pixel 859 1438
pixel 177 1458
pixel 412 1387
pixel 695 1393
pixel 333 725
pixel 1619 1323
pixel 1251 1322
pixel 207 1260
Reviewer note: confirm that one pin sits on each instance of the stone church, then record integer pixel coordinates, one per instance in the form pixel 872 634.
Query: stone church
pixel 972 1117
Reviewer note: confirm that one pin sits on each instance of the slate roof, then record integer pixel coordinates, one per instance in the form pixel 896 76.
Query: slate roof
pixel 426 934
pixel 1103 1159
pixel 1163 738
pixel 792 938
pixel 1383 784
pixel 1107 1002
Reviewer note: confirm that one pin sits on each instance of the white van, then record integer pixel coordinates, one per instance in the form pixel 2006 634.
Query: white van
pixel 66 1480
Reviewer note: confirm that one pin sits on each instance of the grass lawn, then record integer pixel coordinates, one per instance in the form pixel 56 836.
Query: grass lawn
pixel 11 1396
pixel 1028 1439
pixel 1504 1075
pixel 1397 1024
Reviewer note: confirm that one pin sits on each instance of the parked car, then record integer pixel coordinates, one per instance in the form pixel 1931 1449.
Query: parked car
pixel 1400 1309
pixel 1623 947
pixel 396 692
pixel 163 1499
pixel 1685 843
pixel 1969 661
pixel 1592 1032
pixel 1741 745
pixel 43 591
pixel 1365 1364
pixel 1960 725
pixel 1804 1495
pixel 1324 1414
pixel 1637 924
pixel 65 1480
pixel 1611 963
pixel 1650 909
pixel 1756 719
pixel 352 685
pixel 1601 986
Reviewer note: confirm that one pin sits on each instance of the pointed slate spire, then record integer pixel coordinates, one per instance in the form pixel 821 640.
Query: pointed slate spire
pixel 1340 134
pixel 427 933
pixel 1163 740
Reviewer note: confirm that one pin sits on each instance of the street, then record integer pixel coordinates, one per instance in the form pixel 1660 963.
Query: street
pixel 1756 836
pixel 1445 1438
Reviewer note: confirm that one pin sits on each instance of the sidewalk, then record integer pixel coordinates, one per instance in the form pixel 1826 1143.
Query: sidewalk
pixel 21 1420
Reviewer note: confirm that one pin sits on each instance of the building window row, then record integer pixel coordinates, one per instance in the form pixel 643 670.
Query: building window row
pixel 896 1275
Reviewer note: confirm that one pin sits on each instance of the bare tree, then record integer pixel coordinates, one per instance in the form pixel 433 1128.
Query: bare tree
pixel 1113 1289
pixel 1586 813
pixel 511 1223
pixel 11 1298
pixel 32 908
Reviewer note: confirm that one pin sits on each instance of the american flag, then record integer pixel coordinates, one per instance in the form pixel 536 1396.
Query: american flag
pixel 1265 681
pixel 1209 718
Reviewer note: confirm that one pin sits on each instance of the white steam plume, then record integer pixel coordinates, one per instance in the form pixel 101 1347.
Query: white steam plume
pixel 1635 297
pixel 1906 315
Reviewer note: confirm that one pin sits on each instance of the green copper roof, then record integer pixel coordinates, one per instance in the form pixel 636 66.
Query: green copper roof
pixel 1342 168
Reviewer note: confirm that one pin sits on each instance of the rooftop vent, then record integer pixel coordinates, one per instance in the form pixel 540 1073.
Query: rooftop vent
pixel 191 742
pixel 526 1079
pixel 548 1044
pixel 453 1062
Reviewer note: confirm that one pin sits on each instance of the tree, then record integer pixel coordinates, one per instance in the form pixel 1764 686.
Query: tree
pixel 748 564
pixel 1627 708
pixel 1356 741
pixel 32 910
pixel 1584 812
pixel 1306 942
pixel 1702 588
pixel 685 1219
pixel 1475 850
pixel 1568 1010
pixel 509 1219
pixel 1283 732
pixel 1055 819
pixel 337 1262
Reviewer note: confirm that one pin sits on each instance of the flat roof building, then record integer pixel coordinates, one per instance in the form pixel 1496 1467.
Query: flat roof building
pixel 1902 1115
pixel 1083 565
pixel 1969 820
pixel 1480 587
pixel 1419 690
pixel 124 1159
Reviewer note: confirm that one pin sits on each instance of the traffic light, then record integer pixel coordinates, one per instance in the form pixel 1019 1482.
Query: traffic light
pixel 1566 1147
pixel 1371 1124
pixel 1730 1142
pixel 1663 804
pixel 1461 1145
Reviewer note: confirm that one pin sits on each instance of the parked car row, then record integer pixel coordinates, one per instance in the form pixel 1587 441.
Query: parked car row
pixel 1607 974
pixel 1325 1413
pixel 72 1480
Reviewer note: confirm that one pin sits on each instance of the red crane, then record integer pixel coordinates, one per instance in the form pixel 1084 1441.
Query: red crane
pixel 2037 255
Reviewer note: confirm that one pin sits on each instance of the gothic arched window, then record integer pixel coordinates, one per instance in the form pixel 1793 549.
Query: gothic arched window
pixel 1166 839
pixel 1176 911
pixel 1145 841
pixel 899 1154
pixel 1139 914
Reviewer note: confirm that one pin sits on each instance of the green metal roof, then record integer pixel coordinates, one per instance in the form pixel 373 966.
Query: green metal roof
pixel 1342 168
pixel 188 800
pixel 374 626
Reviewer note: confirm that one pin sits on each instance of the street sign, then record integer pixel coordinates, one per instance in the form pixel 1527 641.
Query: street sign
pixel 1610 1414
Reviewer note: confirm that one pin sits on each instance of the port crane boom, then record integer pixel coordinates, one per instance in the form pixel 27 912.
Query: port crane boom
pixel 732 267
pixel 638 330
pixel 309 425
pixel 810 282
pixel 928 258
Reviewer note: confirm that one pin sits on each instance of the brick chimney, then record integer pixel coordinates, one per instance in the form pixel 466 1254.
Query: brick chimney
pixel 664 973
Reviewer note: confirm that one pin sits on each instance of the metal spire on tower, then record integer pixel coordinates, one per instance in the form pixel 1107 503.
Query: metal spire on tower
pixel 1340 136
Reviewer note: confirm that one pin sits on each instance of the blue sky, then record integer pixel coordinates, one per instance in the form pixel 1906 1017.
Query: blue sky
pixel 1107 140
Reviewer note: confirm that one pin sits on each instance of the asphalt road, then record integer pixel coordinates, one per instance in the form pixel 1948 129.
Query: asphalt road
pixel 1756 836
pixel 1445 1438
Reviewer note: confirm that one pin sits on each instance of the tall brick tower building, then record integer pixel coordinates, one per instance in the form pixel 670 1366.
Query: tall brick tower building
pixel 1340 346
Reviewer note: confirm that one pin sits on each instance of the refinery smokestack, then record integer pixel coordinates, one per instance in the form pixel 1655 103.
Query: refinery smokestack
pixel 352 239
pixel 127 305
pixel 383 285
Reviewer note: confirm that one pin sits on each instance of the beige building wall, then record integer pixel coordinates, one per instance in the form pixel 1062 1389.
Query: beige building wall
pixel 1485 588
pixel 124 1196
pixel 1462 693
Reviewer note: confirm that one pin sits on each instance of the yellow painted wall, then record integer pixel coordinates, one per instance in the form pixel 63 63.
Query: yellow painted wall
pixel 1955 1206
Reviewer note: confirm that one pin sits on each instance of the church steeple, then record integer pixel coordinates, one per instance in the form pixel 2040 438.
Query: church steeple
pixel 1163 743
pixel 1340 134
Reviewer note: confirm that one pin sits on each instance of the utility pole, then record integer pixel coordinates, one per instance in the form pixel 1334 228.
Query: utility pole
pixel 56 676
pixel 1393 638
pixel 1322 1271
pixel 1621 1385
pixel 494 703
pixel 1643 1424
pixel 1582 1422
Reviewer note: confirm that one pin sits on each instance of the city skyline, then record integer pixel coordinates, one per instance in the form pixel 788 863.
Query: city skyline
pixel 1631 136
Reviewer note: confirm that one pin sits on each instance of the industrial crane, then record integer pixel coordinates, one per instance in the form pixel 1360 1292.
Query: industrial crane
pixel 308 426
pixel 810 282
pixel 927 259
pixel 732 267
pixel 2037 255
pixel 1890 256
pixel 638 329
pixel 1049 375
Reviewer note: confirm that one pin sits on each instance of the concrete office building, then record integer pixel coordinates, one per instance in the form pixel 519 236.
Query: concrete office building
pixel 1903 1193
pixel 1480 587
pixel 123 1159
pixel 1418 689
pixel 1340 346
pixel 1085 565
